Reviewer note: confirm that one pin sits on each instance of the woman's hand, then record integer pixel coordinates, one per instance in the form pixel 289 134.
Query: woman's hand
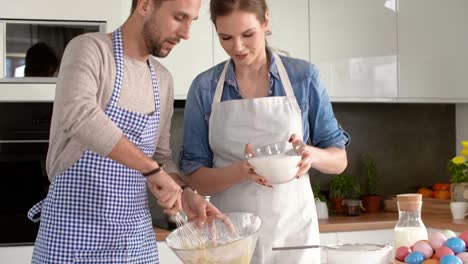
pixel 197 208
pixel 306 153
pixel 248 169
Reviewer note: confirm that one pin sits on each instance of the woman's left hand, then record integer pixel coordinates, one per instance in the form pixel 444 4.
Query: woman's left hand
pixel 197 208
pixel 305 151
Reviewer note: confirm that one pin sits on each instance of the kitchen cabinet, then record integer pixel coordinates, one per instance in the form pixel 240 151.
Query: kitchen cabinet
pixel 433 50
pixel 103 10
pixel 166 255
pixel 289 24
pixel 16 254
pixel 354 45
pixel 193 56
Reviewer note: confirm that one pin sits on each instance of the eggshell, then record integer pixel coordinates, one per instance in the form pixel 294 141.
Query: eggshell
pixel 401 253
pixel 463 256
pixel 464 236
pixel 443 251
pixel 414 258
pixel 448 233
pixel 431 261
pixel 423 247
pixel 457 245
pixel 437 240
pixel 450 260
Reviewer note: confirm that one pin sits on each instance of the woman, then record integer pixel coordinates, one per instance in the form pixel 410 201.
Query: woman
pixel 258 97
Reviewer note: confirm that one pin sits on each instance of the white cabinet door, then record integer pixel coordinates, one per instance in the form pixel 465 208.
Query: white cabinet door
pixel 289 24
pixel 103 10
pixel 16 254
pixel 354 45
pixel 433 49
pixel 193 56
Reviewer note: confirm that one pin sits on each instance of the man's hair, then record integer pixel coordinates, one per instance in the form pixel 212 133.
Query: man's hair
pixel 157 3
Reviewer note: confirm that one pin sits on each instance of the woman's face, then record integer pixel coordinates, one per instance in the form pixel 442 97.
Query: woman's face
pixel 242 36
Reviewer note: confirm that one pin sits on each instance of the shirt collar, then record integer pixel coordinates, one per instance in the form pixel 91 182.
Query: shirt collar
pixel 231 76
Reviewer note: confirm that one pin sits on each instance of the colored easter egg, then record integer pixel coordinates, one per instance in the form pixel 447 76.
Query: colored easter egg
pixel 448 233
pixel 414 258
pixel 437 240
pixel 423 247
pixel 463 256
pixel 443 251
pixel 401 253
pixel 464 236
pixel 449 259
pixel 456 244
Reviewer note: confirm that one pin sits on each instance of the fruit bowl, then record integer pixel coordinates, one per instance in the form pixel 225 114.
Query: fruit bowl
pixel 220 243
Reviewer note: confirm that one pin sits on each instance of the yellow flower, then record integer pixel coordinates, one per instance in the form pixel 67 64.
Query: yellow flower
pixel 465 143
pixel 458 160
pixel 464 152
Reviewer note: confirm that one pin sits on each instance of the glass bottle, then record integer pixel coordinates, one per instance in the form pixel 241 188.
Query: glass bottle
pixel 409 228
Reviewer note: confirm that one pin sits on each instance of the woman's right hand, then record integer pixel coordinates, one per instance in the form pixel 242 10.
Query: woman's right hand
pixel 249 170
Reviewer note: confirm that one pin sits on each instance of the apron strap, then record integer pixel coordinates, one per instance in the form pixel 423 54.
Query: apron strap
pixel 284 76
pixel 220 85
pixel 36 209
pixel 119 67
pixel 282 73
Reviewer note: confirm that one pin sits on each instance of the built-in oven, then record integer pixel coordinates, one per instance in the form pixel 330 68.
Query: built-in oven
pixel 24 134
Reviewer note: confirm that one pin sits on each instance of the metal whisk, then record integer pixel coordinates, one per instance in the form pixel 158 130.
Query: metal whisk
pixel 190 237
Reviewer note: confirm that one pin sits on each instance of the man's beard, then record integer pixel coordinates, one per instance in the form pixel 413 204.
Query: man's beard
pixel 155 44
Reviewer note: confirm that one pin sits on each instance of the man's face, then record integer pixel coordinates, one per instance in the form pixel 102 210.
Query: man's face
pixel 167 23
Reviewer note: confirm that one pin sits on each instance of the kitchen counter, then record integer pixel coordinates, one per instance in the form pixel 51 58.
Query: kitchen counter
pixel 383 220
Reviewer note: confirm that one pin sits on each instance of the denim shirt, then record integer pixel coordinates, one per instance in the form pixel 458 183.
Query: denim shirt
pixel 318 120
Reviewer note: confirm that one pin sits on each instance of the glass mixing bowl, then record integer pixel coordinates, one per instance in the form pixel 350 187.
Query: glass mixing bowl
pixel 220 243
pixel 277 162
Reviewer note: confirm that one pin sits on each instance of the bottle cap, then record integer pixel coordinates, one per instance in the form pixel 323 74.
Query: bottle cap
pixel 409 201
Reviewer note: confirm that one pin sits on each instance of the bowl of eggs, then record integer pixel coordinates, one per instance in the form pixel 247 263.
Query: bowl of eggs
pixel 438 249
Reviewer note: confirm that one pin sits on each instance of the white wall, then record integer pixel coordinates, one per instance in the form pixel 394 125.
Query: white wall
pixel 461 124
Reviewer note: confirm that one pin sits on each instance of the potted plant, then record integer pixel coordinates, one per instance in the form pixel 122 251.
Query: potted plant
pixel 458 169
pixel 371 200
pixel 342 186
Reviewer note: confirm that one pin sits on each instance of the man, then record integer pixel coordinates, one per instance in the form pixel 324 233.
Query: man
pixel 112 113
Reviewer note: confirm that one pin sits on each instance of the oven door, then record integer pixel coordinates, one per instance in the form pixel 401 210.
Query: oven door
pixel 24 183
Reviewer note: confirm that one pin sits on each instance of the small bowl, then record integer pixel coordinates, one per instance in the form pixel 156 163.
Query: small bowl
pixel 277 162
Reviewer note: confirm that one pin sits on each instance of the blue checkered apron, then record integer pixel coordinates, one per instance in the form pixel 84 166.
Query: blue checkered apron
pixel 96 211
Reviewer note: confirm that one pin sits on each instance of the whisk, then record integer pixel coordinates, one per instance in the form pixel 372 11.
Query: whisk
pixel 189 236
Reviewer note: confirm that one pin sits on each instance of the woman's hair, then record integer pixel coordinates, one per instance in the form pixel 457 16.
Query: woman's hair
pixel 226 7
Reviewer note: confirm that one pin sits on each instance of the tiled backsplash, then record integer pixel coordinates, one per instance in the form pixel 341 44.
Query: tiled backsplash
pixel 411 143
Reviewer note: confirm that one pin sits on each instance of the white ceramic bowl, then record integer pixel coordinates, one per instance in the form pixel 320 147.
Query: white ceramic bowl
pixel 277 162
pixel 359 254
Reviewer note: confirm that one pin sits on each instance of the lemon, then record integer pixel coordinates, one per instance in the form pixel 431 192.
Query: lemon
pixel 464 152
pixel 459 160
pixel 465 143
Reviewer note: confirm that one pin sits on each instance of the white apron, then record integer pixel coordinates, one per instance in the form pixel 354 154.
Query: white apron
pixel 287 210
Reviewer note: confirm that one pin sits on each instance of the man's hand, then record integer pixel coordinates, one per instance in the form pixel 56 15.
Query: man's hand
pixel 196 207
pixel 167 192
